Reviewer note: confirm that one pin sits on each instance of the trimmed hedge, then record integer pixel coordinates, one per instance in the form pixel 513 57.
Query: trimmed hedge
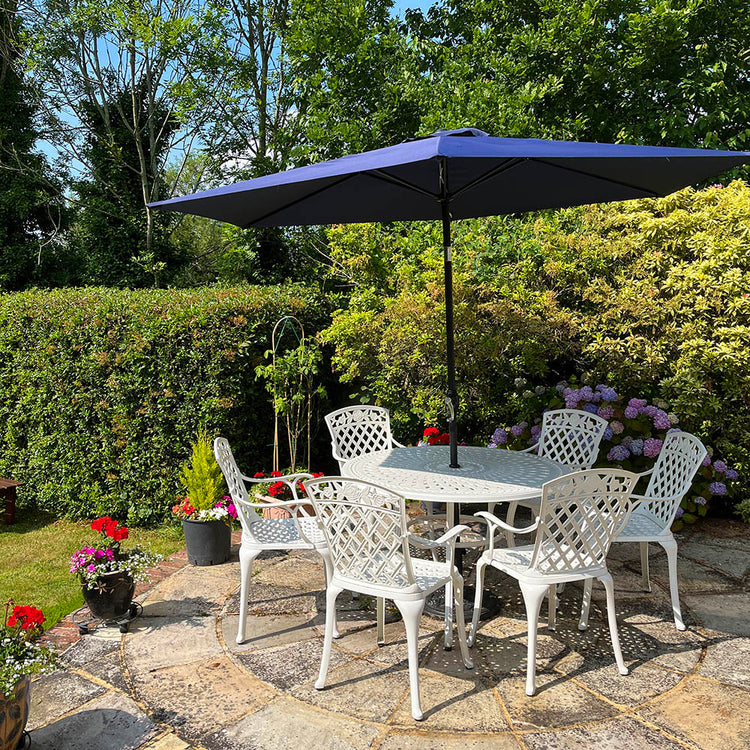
pixel 102 390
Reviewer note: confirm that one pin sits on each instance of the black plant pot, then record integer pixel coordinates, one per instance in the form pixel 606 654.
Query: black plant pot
pixel 110 600
pixel 207 542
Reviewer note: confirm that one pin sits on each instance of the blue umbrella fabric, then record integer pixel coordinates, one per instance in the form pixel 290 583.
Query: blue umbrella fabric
pixel 456 174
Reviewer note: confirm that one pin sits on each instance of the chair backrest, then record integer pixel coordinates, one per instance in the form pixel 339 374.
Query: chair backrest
pixel 359 429
pixel 365 528
pixel 678 462
pixel 234 479
pixel 579 516
pixel 571 437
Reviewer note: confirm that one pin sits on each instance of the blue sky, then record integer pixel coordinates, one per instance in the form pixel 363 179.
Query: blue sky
pixel 399 6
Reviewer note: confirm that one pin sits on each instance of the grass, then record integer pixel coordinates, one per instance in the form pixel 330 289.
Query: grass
pixel 35 554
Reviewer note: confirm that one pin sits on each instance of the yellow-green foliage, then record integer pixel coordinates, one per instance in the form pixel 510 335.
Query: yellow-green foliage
pixel 201 476
pixel 650 296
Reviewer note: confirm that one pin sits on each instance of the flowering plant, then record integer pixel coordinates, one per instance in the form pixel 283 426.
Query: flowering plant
pixel 223 510
pixel 19 655
pixel 433 436
pixel 90 563
pixel 633 438
pixel 279 490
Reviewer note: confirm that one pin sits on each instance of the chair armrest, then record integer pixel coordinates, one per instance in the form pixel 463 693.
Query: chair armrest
pixel 396 444
pixel 645 473
pixel 495 521
pixel 442 541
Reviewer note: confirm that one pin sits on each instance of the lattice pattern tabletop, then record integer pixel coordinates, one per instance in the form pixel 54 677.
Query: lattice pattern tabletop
pixel 486 474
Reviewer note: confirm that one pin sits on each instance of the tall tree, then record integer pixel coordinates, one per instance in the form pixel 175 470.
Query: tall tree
pixel 664 72
pixel 30 210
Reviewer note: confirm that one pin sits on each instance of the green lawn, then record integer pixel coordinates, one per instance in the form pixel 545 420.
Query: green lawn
pixel 35 554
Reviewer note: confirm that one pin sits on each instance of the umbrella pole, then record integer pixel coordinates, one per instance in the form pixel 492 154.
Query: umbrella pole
pixel 451 397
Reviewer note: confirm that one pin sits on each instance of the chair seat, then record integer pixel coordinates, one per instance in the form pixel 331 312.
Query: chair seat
pixel 430 575
pixel 640 525
pixel 515 561
pixel 272 533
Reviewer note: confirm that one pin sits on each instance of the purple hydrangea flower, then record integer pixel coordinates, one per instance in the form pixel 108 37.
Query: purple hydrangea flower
pixel 652 447
pixel 706 461
pixel 617 427
pixel 607 393
pixel 607 433
pixel 586 393
pixel 631 412
pixel 489 445
pixel 605 412
pixel 592 408
pixel 627 440
pixel 636 447
pixel 516 430
pixel 717 488
pixel 618 453
pixel 679 513
pixel 731 475
pixel 673 429
pixel 661 420
pixel 499 436
pixel 534 440
pixel 536 430
pixel 650 411
pixel 699 500
pixel 720 466
pixel 637 403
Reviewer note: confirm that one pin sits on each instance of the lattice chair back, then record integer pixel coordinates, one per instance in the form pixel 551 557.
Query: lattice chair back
pixel 356 430
pixel 571 437
pixel 365 527
pixel 675 468
pixel 580 515
pixel 234 479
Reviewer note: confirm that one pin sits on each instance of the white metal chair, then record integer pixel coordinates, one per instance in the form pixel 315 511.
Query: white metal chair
pixel 653 512
pixel 579 516
pixel 570 437
pixel 258 533
pixel 365 526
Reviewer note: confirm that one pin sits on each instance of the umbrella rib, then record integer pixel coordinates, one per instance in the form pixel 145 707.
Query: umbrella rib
pixel 652 193
pixel 306 196
pixel 378 174
pixel 504 167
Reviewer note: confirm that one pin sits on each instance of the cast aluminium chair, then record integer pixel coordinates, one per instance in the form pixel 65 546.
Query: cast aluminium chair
pixel 259 534
pixel 579 516
pixel 570 437
pixel 365 527
pixel 653 512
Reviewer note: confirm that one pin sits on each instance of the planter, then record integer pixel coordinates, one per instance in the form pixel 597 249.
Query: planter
pixel 207 542
pixel 14 711
pixel 271 512
pixel 112 599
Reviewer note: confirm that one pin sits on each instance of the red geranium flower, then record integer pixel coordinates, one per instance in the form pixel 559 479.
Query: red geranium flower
pixel 29 618
pixel 430 432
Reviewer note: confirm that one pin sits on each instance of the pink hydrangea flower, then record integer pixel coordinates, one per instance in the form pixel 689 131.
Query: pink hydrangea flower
pixel 652 447
pixel 617 426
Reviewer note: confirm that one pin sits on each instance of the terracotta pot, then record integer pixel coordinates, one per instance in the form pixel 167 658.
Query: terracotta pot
pixel 111 600
pixel 207 542
pixel 14 712
pixel 272 512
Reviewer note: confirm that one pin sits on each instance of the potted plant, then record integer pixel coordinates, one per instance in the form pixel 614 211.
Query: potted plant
pixel 205 511
pixel 278 489
pixel 20 658
pixel 108 572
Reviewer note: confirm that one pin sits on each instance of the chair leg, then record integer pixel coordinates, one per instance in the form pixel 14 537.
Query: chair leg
pixel 612 619
pixel 328 570
pixel 246 563
pixel 510 540
pixel 670 547
pixel 458 588
pixel 645 582
pixel 448 625
pixel 552 607
pixel 380 606
pixel 331 593
pixel 479 585
pixel 411 611
pixel 586 604
pixel 532 598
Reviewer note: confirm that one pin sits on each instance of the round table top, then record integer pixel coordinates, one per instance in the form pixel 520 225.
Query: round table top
pixel 486 474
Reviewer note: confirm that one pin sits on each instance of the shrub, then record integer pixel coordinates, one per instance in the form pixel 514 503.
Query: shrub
pixel 201 476
pixel 101 390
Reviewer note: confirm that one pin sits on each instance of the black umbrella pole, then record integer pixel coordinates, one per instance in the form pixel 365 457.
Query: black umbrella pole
pixel 451 397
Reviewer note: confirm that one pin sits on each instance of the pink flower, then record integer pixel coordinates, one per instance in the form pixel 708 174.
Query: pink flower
pixel 617 427
pixel 652 447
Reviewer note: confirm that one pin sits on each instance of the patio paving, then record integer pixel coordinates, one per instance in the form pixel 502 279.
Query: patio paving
pixel 178 681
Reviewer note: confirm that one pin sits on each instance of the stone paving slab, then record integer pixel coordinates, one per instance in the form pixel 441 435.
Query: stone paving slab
pixel 178 680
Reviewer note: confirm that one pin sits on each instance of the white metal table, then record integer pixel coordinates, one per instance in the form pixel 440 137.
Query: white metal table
pixel 486 475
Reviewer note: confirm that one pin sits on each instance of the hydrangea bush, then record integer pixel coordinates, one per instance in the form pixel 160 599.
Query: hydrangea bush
pixel 632 440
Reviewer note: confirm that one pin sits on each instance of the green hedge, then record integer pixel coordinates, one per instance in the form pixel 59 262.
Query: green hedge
pixel 102 390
